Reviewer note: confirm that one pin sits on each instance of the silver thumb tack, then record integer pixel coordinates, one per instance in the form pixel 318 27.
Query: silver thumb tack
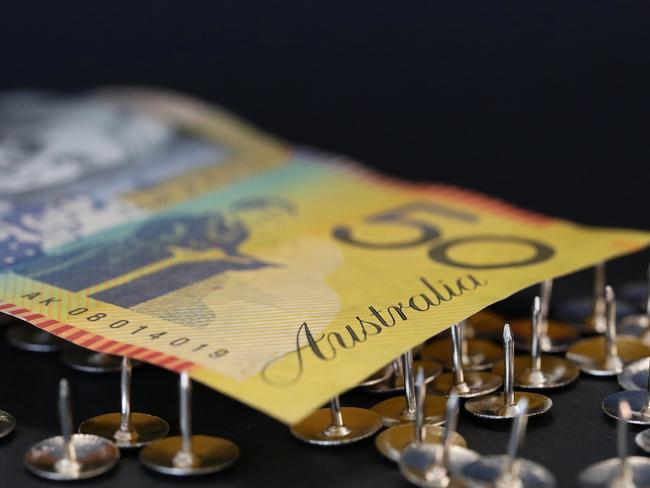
pixel 187 454
pixel 127 429
pixel 624 470
pixel 70 456
pixel 510 470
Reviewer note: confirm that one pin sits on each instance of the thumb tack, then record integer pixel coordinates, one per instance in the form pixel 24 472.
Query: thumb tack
pixel 624 471
pixel 437 465
pixel 83 359
pixel 510 471
pixel 71 456
pixel 127 429
pixel 464 384
pixel 393 440
pixel 337 425
pixel 539 371
pixel 638 325
pixel 638 402
pixel 606 356
pixel 635 375
pixel 554 336
pixel 377 377
pixel 476 354
pixel 187 454
pixel 394 382
pixel 403 409
pixel 588 314
pixel 485 324
pixel 504 405
pixel 29 338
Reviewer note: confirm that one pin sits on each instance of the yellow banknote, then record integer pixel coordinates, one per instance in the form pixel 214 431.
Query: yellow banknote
pixel 281 276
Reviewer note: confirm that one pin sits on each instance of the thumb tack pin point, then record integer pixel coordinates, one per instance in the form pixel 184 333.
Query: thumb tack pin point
pixel 127 429
pixel 504 405
pixel 638 402
pixel 554 336
pixel 337 425
pixel 403 409
pixel 393 440
pixel 606 356
pixel 395 380
pixel 539 371
pixel 623 471
pixel 71 456
pixel 465 384
pixel 437 465
pixel 29 338
pixel 187 454
pixel 638 325
pixel 510 471
pixel 83 359
pixel 476 354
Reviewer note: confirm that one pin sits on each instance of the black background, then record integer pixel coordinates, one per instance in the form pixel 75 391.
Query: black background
pixel 545 104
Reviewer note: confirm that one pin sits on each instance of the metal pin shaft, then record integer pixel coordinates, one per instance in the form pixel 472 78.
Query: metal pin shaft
pixel 185 393
pixel 456 354
pixel 335 410
pixel 517 435
pixel 610 332
pixel 647 302
pixel 463 343
pixel 646 406
pixel 125 389
pixel 509 359
pixel 625 412
pixel 535 349
pixel 599 292
pixel 450 428
pixel 545 292
pixel 65 418
pixel 409 382
pixel 420 394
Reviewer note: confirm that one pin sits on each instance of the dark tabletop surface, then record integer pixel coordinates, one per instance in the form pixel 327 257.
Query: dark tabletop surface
pixel 543 104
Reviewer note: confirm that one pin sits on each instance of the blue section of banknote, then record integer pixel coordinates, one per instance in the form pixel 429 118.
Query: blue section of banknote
pixel 66 163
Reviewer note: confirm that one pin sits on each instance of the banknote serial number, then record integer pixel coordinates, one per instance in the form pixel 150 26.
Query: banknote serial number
pixel 141 331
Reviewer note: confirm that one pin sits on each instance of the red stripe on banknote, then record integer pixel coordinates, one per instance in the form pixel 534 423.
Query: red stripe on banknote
pixel 63 328
pixel 92 340
pixel 33 316
pixel 6 305
pixel 183 366
pixel 105 346
pixel 18 311
pixel 76 335
pixel 47 323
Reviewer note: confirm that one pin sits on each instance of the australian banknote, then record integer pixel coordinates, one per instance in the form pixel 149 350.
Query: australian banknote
pixel 152 225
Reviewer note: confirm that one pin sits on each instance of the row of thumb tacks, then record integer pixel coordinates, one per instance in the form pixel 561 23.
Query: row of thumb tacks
pixel 95 448
pixel 432 456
